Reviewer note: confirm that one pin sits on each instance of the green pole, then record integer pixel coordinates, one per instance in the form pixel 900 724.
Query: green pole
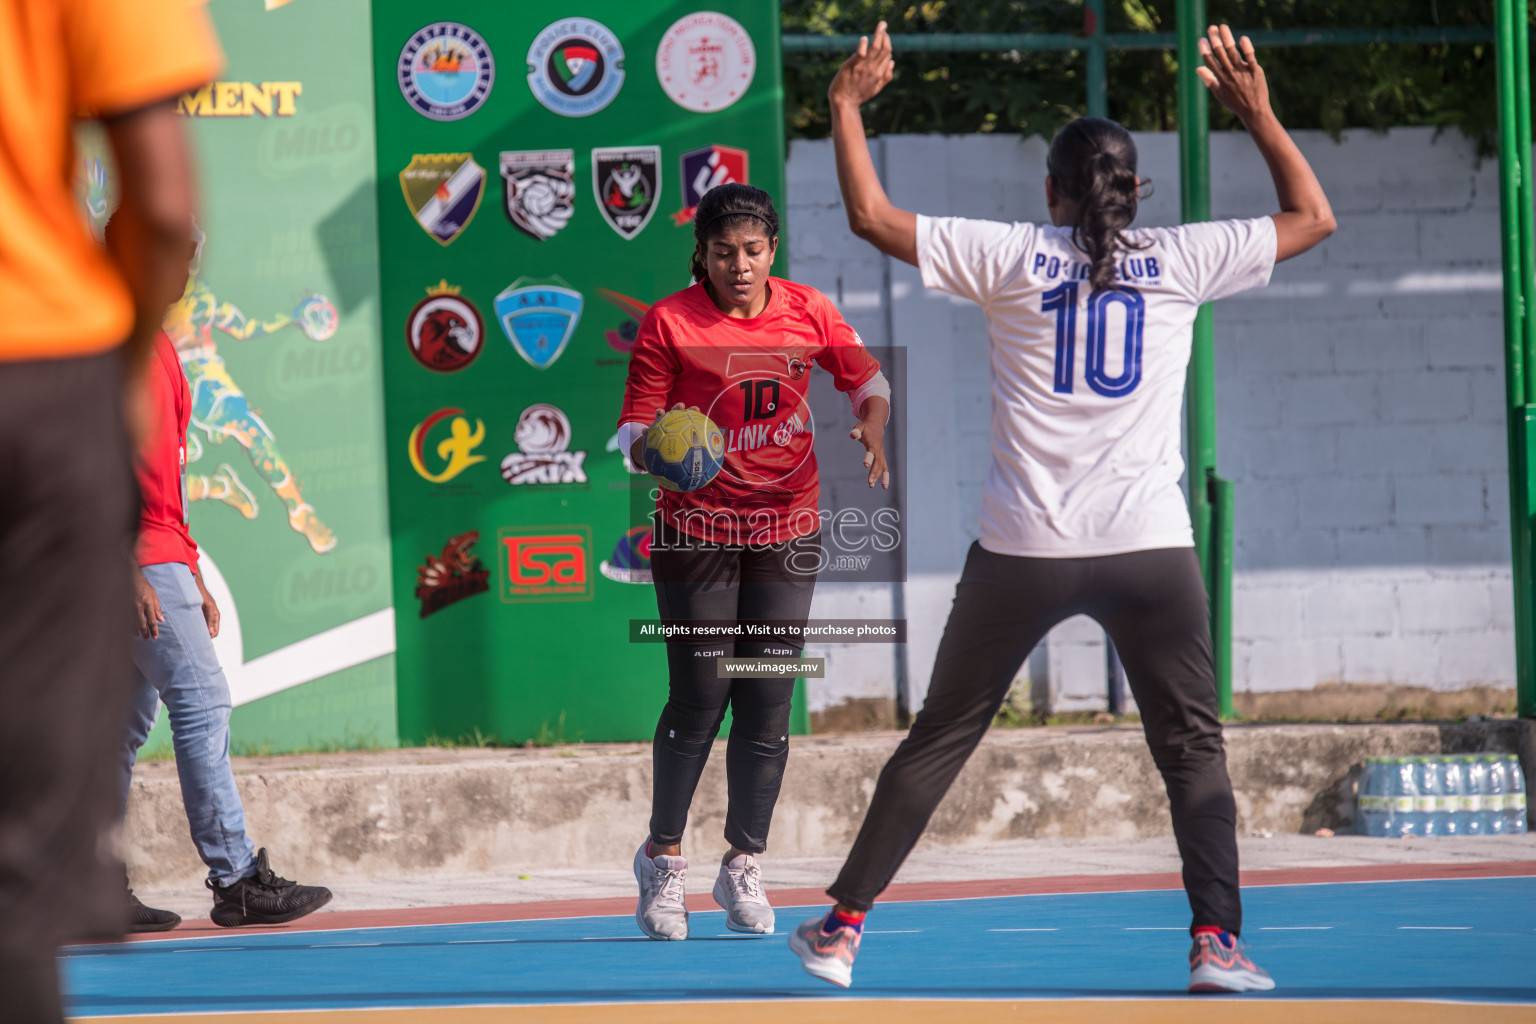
pixel 1098 72
pixel 1212 535
pixel 1515 243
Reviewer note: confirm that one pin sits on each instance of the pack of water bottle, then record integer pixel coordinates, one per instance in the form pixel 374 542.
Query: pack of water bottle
pixel 1448 795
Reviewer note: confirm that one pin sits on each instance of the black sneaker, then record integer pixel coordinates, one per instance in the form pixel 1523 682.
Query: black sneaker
pixel 148 919
pixel 263 898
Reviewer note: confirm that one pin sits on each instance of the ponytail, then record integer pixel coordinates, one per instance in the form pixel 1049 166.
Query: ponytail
pixel 1093 163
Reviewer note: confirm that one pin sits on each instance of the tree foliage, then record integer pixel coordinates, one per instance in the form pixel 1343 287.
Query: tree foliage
pixel 1375 86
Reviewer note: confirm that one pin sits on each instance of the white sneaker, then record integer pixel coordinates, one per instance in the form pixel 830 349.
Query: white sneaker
pixel 739 891
pixel 661 913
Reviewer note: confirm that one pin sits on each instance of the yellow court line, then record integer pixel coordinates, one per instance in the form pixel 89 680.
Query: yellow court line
pixel 901 1011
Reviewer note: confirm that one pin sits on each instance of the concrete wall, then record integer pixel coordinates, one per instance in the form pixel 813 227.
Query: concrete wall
pixel 1359 406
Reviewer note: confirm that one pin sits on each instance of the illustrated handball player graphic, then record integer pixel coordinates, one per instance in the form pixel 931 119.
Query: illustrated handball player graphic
pixel 220 408
pixel 747 546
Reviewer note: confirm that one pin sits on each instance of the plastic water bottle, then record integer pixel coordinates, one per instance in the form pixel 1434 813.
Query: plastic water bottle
pixel 1452 790
pixel 1477 789
pixel 1431 800
pixel 1463 813
pixel 1514 797
pixel 1493 799
pixel 1406 820
pixel 1375 780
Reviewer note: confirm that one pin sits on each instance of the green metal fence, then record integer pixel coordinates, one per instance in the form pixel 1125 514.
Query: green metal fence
pixel 1210 495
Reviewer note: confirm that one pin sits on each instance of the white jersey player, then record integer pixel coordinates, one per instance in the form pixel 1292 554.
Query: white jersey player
pixel 1090 324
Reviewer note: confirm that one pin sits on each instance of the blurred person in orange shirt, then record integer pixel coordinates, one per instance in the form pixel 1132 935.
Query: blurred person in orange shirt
pixel 75 341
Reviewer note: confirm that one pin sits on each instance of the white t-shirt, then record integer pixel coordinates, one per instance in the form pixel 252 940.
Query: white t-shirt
pixel 1088 390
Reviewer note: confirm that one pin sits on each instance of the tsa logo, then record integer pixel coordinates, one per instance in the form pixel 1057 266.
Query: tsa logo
pixel 539 318
pixel 705 168
pixel 443 191
pixel 575 67
pixel 446 71
pixel 705 61
pixel 548 563
pixel 540 190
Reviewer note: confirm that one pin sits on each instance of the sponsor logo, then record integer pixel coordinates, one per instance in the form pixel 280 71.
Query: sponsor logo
pixel 548 563
pixel 627 183
pixel 631 560
pixel 444 330
pixel 241 99
pixel 575 67
pixel 453 451
pixel 539 318
pixel 443 191
pixel 540 190
pixel 705 61
pixel 543 435
pixel 446 71
pixel 622 338
pixel 705 168
pixel 452 576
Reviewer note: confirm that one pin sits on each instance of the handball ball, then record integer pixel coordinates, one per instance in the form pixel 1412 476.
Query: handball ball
pixel 683 450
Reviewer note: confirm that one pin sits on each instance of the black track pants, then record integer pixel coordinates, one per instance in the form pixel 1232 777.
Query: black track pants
pixel 1153 605
pixel 712 581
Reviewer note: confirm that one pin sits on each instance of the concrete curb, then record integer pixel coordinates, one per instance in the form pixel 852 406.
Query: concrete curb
pixel 439 812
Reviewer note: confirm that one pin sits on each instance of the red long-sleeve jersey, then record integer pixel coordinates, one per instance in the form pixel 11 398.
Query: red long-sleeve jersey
pixel 752 378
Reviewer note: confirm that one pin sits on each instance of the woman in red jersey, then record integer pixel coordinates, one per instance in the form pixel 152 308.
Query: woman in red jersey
pixel 737 345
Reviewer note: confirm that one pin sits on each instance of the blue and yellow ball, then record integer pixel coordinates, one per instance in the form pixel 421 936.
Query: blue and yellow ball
pixel 683 450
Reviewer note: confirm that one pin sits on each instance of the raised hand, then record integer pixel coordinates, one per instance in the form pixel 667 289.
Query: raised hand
pixel 864 74
pixel 1232 73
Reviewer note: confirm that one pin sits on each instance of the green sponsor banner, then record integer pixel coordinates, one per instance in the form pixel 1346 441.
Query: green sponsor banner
pixel 537 166
pixel 279 335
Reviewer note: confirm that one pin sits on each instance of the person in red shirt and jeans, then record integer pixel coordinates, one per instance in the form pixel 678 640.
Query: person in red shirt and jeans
pixel 176 620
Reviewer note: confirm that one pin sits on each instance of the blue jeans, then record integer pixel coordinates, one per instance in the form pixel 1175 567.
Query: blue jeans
pixel 180 668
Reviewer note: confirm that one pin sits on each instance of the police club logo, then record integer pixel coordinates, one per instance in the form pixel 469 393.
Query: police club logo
pixel 704 169
pixel 443 191
pixel 706 61
pixel 543 437
pixel 575 67
pixel 539 318
pixel 444 330
pixel 446 71
pixel 627 183
pixel 540 190
pixel 452 576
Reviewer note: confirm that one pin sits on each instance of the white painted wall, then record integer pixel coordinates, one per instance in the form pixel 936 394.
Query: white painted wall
pixel 1359 406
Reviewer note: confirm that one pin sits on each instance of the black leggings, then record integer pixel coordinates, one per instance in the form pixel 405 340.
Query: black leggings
pixel 713 581
pixel 1153 605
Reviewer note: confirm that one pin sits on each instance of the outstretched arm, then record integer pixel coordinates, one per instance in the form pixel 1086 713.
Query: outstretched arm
pixel 870 214
pixel 1233 75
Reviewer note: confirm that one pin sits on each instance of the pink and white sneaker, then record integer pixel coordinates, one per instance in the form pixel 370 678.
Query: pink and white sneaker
pixel 1215 966
pixel 828 957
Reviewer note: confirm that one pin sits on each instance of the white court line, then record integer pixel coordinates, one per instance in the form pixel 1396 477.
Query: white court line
pixel 1158 929
pixel 475 942
pixel 898 931
pixel 340 945
pixel 1023 929
pixel 1298 928
pixel 211 949
pixel 1434 927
